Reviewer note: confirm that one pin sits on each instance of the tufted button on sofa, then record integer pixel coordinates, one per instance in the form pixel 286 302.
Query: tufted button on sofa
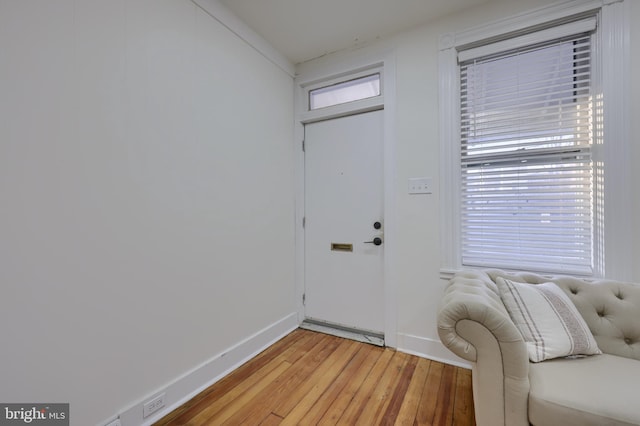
pixel 510 390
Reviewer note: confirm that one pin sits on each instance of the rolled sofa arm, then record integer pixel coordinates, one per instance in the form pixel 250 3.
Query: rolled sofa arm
pixel 474 324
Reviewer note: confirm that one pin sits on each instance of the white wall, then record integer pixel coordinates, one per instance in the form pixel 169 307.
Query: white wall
pixel 146 198
pixel 417 249
pixel 634 114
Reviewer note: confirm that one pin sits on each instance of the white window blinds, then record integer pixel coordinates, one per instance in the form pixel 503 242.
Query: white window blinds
pixel 526 169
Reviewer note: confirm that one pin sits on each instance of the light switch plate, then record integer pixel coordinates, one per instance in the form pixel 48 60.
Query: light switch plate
pixel 420 185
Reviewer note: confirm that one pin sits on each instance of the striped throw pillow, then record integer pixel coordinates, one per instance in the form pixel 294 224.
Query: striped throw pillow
pixel 549 322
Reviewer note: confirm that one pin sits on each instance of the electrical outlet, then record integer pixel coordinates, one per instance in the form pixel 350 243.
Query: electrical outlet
pixel 153 405
pixel 115 422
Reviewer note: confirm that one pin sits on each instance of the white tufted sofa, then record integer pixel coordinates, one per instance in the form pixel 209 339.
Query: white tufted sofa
pixel 509 390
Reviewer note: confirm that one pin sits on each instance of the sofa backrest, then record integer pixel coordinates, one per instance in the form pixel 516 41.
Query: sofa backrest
pixel 611 309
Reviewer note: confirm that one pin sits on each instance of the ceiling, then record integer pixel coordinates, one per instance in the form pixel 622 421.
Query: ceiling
pixel 306 29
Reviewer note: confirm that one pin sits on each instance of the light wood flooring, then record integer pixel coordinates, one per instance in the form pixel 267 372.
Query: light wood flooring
pixel 310 378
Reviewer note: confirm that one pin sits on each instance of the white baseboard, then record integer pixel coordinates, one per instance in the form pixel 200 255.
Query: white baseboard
pixel 429 348
pixel 190 384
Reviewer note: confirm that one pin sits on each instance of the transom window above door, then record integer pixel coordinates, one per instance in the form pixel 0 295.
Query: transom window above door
pixel 347 91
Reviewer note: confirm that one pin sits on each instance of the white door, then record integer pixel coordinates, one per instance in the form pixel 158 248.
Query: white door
pixel 343 211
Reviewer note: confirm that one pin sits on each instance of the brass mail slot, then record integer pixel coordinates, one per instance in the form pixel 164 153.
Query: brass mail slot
pixel 341 247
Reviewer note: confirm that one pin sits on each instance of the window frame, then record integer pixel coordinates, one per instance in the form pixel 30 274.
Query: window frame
pixel 346 84
pixel 611 52
pixel 342 109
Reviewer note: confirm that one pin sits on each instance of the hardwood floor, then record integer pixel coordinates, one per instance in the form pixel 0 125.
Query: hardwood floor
pixel 309 378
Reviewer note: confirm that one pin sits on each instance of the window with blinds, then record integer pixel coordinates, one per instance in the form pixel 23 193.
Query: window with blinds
pixel 526 132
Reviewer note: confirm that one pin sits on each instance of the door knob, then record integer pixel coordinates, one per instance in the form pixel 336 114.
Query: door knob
pixel 376 241
pixel 377 225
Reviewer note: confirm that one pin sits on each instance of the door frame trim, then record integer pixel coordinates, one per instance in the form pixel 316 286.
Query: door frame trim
pixel 328 70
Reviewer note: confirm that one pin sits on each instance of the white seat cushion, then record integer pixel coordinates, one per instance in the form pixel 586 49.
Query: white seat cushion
pixel 597 390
